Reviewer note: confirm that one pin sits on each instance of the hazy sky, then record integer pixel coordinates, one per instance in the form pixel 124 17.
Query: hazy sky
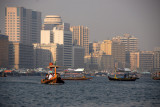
pixel 105 18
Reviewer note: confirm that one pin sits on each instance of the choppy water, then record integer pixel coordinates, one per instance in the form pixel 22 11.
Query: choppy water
pixel 99 92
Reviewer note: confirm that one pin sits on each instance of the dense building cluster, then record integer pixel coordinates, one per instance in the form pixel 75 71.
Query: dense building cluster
pixel 29 44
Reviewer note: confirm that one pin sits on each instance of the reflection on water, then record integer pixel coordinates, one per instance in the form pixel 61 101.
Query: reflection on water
pixel 99 92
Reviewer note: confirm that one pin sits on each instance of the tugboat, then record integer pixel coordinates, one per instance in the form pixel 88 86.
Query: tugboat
pixel 55 79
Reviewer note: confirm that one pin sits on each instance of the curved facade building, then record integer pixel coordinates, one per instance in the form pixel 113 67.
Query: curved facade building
pixel 51 21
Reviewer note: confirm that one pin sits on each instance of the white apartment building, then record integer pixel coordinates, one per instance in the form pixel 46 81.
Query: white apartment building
pixel 46 36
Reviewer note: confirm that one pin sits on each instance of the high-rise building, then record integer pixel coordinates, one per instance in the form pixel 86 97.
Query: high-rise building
pixel 63 36
pixel 46 53
pixel 157 59
pixel 106 47
pixel 146 60
pixel 51 21
pixel 131 45
pixel 118 53
pixel 134 60
pixel 20 55
pixel 130 42
pixel 80 37
pixel 22 25
pixel 78 57
pixel 4 43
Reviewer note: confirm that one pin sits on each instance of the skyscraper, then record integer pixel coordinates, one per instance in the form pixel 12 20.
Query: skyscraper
pixel 118 53
pixel 80 37
pixel 63 36
pixel 22 25
pixel 130 43
pixel 23 28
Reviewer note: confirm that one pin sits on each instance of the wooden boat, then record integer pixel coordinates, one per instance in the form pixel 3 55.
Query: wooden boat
pixel 121 79
pixel 156 75
pixel 115 78
pixel 54 80
pixel 75 75
pixel 77 78
pixel 2 74
pixel 156 78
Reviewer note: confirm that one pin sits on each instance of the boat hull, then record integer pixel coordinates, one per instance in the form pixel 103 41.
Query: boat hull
pixel 77 78
pixel 52 81
pixel 156 78
pixel 121 79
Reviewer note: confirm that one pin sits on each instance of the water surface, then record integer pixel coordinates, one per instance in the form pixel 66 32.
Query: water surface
pixel 27 91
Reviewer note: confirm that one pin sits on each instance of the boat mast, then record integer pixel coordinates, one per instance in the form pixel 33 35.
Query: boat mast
pixel 55 70
pixel 115 73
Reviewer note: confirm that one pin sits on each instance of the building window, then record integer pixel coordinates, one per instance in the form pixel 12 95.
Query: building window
pixel 17 11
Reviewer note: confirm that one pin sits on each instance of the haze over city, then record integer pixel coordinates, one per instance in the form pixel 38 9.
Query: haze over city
pixel 104 18
pixel 80 53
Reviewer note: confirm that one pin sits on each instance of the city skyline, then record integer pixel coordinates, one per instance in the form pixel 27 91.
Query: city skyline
pixel 105 18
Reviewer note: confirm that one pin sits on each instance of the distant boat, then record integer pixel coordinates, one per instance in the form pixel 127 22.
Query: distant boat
pixel 56 79
pixel 121 79
pixel 156 76
pixel 125 77
pixel 3 74
pixel 77 78
pixel 75 75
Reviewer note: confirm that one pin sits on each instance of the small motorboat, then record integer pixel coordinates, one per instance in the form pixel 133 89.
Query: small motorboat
pixel 56 79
